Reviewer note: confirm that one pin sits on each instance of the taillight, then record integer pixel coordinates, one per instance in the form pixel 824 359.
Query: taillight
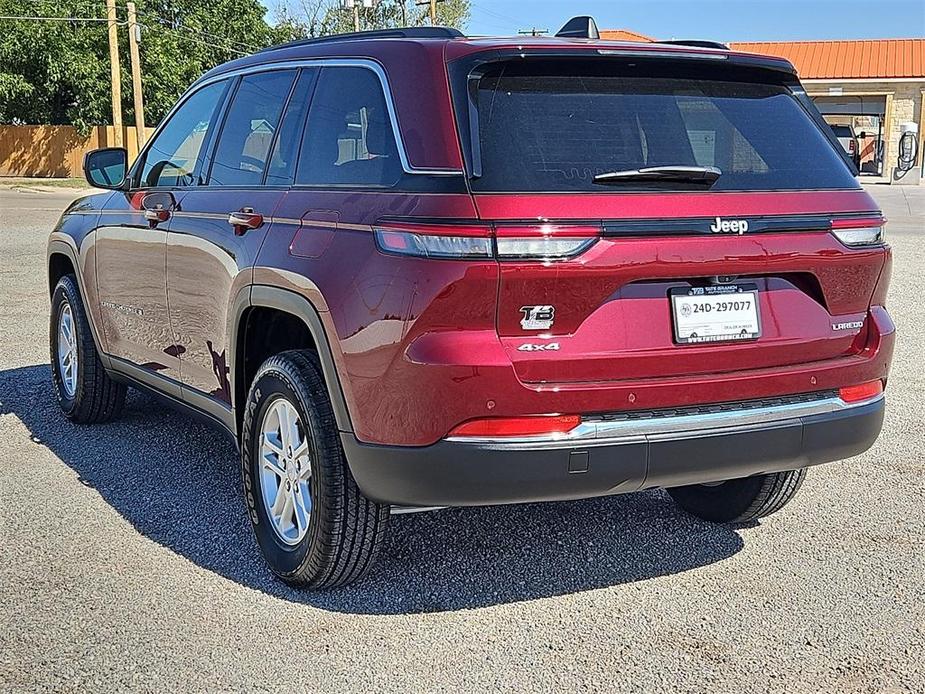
pixel 517 426
pixel 406 243
pixel 435 240
pixel 543 242
pixel 861 392
pixel 859 232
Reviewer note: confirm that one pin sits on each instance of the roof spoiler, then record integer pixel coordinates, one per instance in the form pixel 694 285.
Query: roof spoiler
pixel 579 28
pixel 698 43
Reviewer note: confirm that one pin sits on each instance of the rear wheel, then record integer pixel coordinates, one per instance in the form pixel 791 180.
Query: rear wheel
pixel 85 392
pixel 740 500
pixel 314 526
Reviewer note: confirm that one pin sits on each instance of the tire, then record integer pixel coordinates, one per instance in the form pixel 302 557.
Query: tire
pixel 89 396
pixel 741 500
pixel 344 530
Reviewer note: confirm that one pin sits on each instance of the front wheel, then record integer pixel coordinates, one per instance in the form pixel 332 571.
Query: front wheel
pixel 314 526
pixel 86 393
pixel 740 500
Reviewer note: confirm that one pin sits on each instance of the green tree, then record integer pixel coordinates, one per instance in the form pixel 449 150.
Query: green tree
pixel 58 72
pixel 310 18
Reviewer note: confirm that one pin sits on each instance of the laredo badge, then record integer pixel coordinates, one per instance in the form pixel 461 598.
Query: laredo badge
pixel 537 317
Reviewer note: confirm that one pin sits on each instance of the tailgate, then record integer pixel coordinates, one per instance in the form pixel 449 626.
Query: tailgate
pixel 610 312
pixel 661 217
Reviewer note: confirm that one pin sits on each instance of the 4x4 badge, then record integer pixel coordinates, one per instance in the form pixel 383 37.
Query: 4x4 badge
pixel 537 317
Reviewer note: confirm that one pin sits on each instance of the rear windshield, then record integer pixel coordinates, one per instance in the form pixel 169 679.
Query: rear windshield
pixel 550 126
pixel 842 131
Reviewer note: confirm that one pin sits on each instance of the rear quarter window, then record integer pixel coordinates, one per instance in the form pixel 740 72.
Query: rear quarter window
pixel 349 138
pixel 548 127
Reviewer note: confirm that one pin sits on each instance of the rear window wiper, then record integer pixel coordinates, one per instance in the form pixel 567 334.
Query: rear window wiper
pixel 685 174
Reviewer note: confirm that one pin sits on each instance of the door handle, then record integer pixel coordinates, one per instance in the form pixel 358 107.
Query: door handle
pixel 157 215
pixel 244 220
pixel 156 207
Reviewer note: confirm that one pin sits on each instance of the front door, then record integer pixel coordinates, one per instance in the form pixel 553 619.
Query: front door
pixel 131 241
pixel 216 234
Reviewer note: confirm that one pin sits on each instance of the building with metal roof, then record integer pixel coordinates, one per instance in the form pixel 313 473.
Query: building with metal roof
pixel 875 87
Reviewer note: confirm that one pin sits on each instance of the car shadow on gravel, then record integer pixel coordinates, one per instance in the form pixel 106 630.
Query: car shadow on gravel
pixel 178 483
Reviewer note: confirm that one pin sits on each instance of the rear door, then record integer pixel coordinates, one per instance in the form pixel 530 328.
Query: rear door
pixel 215 236
pixel 609 274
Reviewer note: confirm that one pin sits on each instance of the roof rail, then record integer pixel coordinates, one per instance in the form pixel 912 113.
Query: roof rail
pixel 579 28
pixel 698 43
pixel 399 33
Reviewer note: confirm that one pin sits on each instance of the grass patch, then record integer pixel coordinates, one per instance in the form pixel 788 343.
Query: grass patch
pixel 19 182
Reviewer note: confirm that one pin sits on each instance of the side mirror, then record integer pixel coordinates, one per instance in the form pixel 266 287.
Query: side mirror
pixel 106 168
pixel 862 135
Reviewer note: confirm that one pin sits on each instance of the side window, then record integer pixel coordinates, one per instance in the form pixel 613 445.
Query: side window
pixel 349 138
pixel 286 149
pixel 171 158
pixel 252 120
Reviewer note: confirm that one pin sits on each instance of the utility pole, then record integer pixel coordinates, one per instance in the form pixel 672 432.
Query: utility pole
pixel 115 71
pixel 355 6
pixel 533 32
pixel 134 35
pixel 433 9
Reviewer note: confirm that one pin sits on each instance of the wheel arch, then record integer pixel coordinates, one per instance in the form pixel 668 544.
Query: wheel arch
pixel 288 303
pixel 62 259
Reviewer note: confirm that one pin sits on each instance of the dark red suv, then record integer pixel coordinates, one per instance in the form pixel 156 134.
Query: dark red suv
pixel 408 269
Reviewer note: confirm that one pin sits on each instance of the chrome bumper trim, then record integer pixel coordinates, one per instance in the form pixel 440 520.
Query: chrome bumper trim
pixel 674 427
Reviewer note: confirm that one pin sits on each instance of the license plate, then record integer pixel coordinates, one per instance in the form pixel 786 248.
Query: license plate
pixel 715 313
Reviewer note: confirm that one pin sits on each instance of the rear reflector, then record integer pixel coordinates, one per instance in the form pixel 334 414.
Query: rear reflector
pixel 863 391
pixel 518 426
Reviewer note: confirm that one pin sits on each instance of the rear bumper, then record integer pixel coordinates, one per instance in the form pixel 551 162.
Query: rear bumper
pixel 616 457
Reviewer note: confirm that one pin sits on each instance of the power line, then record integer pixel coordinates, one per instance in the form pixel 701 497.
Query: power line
pixel 229 43
pixel 499 15
pixel 60 19
pixel 191 34
pixel 194 39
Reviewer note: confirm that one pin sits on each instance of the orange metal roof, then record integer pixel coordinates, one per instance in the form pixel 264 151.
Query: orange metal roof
pixel 883 58
pixel 624 35
pixel 854 59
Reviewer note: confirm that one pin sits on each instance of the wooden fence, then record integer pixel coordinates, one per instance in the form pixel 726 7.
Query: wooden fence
pixel 55 151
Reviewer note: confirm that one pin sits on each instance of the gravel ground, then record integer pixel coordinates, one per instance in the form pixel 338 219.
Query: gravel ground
pixel 126 560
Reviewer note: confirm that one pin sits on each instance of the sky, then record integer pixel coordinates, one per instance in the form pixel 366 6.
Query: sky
pixel 722 20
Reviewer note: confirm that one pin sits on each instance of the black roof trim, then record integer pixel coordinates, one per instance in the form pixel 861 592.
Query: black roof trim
pixel 697 43
pixel 400 33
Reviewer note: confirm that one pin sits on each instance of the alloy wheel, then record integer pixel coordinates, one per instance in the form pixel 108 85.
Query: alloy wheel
pixel 285 471
pixel 67 350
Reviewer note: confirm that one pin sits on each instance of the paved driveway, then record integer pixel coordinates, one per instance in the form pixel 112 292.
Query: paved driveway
pixel 126 559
